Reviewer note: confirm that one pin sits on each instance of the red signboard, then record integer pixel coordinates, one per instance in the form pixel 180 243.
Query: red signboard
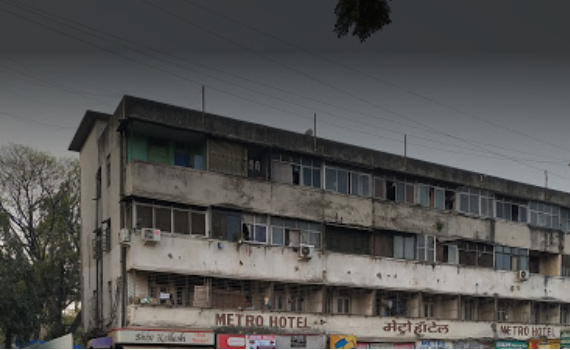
pixel 231 341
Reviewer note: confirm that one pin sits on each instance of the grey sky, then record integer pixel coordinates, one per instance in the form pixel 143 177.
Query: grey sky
pixel 505 62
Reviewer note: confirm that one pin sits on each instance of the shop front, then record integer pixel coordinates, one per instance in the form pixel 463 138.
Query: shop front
pixel 153 338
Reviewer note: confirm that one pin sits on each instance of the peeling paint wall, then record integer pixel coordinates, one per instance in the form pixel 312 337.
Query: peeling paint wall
pixel 199 256
pixel 189 186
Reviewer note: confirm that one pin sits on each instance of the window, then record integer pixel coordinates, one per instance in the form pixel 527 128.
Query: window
pixel 502 312
pixel 474 201
pixel 565 219
pixel 171 218
pixel 565 314
pixel 343 302
pixel 544 215
pixel 158 151
pixel 475 254
pixel 512 211
pixel 255 228
pixel 348 182
pixel 347 240
pixel 450 253
pixel 298 170
pixel 291 232
pixel 392 304
pixel 404 247
pixel 428 307
pixel 426 248
pixel 430 196
pixel 226 225
pixel 507 258
pixel 360 184
pixel 565 265
pixel 401 192
pixel 379 188
pixel 470 309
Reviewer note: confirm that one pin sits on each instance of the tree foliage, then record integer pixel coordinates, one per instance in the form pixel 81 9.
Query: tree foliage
pixel 365 17
pixel 39 200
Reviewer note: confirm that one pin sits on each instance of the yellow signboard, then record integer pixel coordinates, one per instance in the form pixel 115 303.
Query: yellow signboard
pixel 343 342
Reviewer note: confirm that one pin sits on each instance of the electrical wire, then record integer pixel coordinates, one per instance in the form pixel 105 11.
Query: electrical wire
pixel 241 97
pixel 281 99
pixel 354 70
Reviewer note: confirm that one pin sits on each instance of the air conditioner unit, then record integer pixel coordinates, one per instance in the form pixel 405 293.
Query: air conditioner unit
pixel 150 235
pixel 124 235
pixel 523 275
pixel 306 251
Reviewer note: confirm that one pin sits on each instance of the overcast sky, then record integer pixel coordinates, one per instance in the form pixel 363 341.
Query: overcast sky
pixel 480 85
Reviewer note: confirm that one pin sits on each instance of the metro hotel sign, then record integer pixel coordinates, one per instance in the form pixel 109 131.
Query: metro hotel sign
pixel 384 327
pixel 241 320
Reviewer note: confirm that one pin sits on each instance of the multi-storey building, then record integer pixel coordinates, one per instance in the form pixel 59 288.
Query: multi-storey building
pixel 198 225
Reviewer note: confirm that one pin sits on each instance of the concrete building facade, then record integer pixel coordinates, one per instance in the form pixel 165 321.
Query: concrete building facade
pixel 196 225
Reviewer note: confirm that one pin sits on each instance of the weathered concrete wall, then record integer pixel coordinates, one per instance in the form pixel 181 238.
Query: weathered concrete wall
pixel 186 185
pixel 330 150
pixel 364 327
pixel 201 256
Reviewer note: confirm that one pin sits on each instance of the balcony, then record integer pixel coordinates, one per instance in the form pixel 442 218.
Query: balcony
pixel 202 256
pixel 186 185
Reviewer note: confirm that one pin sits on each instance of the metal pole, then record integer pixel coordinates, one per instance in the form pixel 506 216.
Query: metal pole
pixel 315 134
pixel 405 150
pixel 203 104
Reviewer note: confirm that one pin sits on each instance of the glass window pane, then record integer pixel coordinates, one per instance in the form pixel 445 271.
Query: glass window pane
pixel 409 249
pixel 523 216
pixel 260 233
pixel 302 225
pixel 316 178
pixel 314 226
pixel 523 263
pixel 330 179
pixel 342 181
pixel 307 176
pixel 410 194
pixel 355 184
pixel 162 219
pixel 484 207
pixel 365 185
pixel 430 256
pixel 500 211
pixel 400 195
pixel 474 204
pixel 533 218
pixel 439 198
pixel 421 254
pixel 424 195
pixel 144 216
pixel 198 223
pixel 181 221
pixel 278 236
pixel 463 203
pixel 398 247
pixel 379 188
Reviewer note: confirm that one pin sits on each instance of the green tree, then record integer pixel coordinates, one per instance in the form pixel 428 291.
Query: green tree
pixel 365 17
pixel 39 199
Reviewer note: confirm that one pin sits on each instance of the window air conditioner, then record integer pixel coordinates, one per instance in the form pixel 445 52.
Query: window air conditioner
pixel 150 235
pixel 306 251
pixel 523 275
